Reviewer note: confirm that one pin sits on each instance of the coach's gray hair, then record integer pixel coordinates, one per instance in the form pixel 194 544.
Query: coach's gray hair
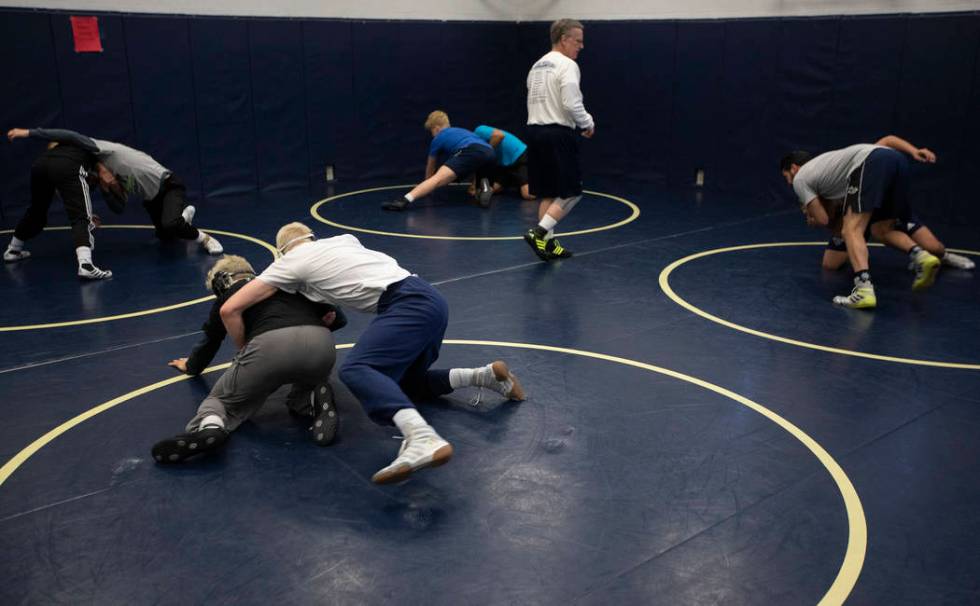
pixel 563 26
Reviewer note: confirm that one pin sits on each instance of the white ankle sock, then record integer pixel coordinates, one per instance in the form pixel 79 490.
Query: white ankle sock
pixel 84 254
pixel 410 197
pixel 408 419
pixel 201 236
pixel 548 223
pixel 462 377
pixel 16 243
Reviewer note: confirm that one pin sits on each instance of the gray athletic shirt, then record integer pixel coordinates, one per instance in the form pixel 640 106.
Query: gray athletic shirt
pixel 137 172
pixel 827 174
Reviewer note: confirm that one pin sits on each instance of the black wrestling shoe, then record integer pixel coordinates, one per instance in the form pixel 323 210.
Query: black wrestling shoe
pixel 396 204
pixel 556 250
pixel 325 418
pixel 538 245
pixel 180 447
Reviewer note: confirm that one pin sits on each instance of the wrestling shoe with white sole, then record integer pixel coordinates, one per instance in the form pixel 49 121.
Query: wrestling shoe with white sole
pixel 12 255
pixel 420 449
pixel 88 271
pixel 862 297
pixel 926 267
pixel 957 261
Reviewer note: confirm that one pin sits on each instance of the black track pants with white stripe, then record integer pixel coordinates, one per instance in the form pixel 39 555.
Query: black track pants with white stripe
pixel 67 178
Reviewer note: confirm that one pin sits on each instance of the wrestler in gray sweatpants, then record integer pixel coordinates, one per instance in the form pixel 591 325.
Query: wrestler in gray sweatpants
pixel 301 355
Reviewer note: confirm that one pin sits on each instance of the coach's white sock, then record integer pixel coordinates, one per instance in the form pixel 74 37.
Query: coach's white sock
pixel 547 223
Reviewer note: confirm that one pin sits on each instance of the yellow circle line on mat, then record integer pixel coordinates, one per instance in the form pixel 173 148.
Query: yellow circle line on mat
pixel 857 535
pixel 145 312
pixel 634 213
pixel 665 286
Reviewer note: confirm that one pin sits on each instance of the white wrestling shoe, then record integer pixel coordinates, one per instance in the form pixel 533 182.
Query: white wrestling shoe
pixel 420 449
pixel 497 376
pixel 11 255
pixel 212 245
pixel 953 260
pixel 91 272
pixel 188 214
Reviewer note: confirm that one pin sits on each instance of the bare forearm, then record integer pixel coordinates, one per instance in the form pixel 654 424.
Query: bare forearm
pixel 899 144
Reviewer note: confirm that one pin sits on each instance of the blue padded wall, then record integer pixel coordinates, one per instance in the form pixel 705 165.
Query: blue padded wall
pixel 165 117
pixel 329 79
pixel 239 104
pixel 934 105
pixel 225 122
pixel 279 101
pixel 33 98
pixel 747 110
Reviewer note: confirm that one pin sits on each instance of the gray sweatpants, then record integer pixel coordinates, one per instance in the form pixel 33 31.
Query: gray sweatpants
pixel 301 355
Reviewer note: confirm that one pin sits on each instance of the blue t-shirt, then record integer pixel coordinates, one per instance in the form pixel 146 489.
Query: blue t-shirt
pixel 451 140
pixel 508 150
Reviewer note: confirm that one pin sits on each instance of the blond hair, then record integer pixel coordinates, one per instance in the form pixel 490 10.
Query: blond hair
pixel 562 27
pixel 436 118
pixel 289 234
pixel 232 264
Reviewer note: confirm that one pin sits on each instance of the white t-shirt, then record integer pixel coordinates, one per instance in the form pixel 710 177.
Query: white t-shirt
pixel 553 93
pixel 336 270
pixel 827 174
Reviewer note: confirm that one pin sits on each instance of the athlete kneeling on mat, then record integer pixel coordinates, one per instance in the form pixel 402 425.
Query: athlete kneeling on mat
pixel 389 365
pixel 849 190
pixel 288 340
pixel 464 154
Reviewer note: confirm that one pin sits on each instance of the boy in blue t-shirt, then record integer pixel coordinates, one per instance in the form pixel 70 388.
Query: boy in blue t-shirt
pixel 511 154
pixel 467 154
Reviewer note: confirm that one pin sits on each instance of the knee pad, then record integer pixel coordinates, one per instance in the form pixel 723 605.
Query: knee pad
pixel 567 204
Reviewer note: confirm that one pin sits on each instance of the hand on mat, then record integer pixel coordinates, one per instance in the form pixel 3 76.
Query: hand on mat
pixel 17 133
pixel 925 155
pixel 180 364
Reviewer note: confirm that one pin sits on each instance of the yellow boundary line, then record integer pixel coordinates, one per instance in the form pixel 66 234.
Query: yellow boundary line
pixel 857 536
pixel 134 314
pixel 665 286
pixel 634 213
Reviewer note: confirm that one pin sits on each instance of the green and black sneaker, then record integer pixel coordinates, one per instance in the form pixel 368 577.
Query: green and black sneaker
pixel 556 250
pixel 538 245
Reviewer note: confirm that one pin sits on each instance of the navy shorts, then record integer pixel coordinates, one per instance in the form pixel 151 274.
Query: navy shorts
pixel 470 160
pixel 880 186
pixel 553 169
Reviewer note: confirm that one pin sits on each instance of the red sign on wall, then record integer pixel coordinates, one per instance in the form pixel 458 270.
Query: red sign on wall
pixel 86 33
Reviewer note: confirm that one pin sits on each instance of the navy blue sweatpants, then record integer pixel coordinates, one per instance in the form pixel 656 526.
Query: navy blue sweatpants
pixel 389 365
